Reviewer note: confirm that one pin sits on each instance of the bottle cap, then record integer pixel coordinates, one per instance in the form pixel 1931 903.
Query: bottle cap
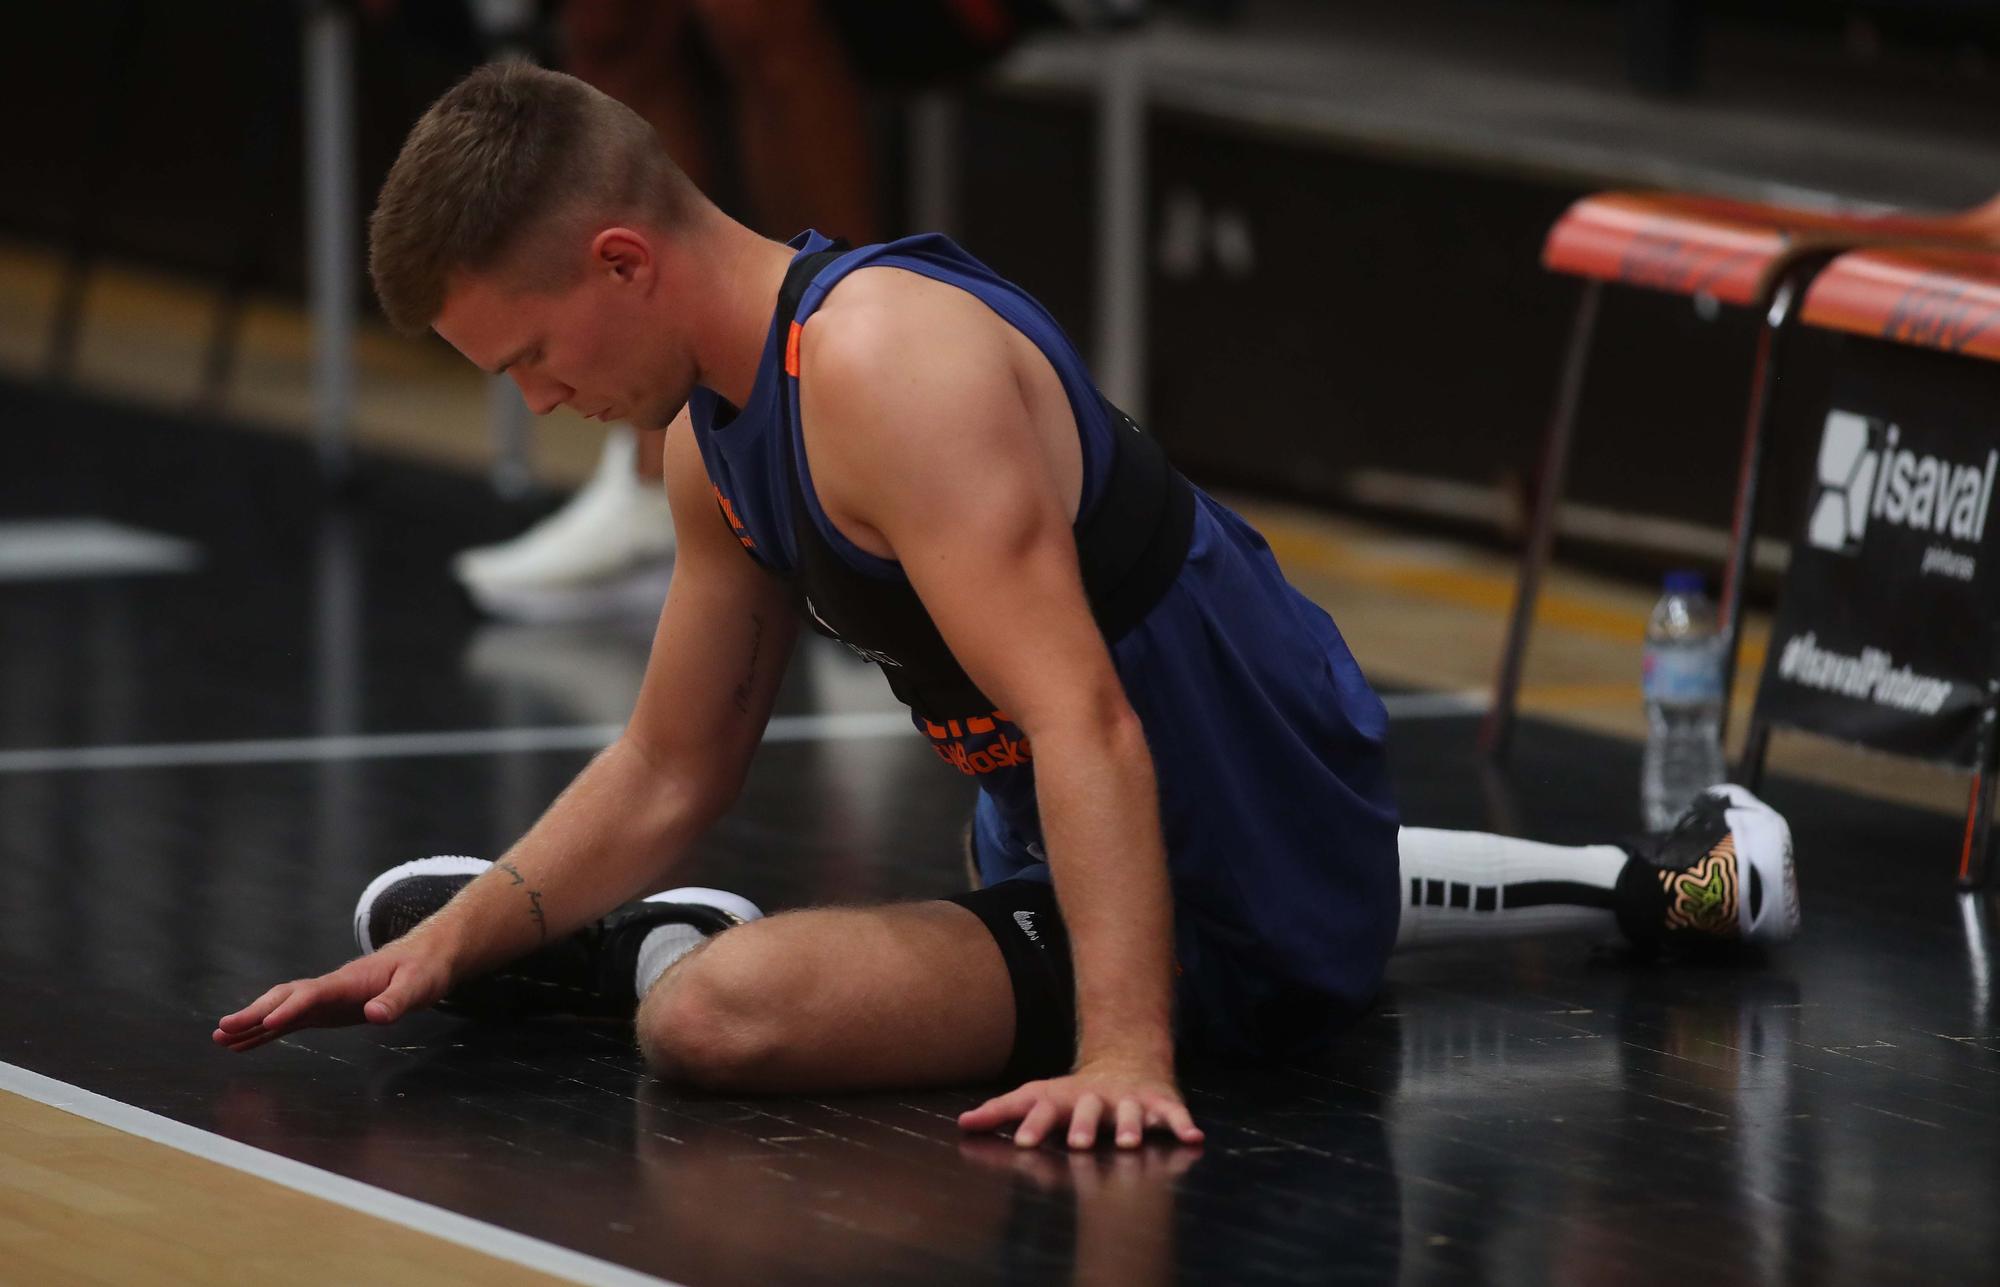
pixel 1684 581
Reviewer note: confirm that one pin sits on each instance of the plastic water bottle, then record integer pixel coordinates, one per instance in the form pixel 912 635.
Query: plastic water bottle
pixel 1683 687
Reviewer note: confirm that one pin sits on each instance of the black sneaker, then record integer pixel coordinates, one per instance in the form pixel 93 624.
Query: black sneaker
pixel 1724 872
pixel 590 973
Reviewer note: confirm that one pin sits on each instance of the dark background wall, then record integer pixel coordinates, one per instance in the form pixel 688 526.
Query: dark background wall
pixel 170 132
pixel 1392 316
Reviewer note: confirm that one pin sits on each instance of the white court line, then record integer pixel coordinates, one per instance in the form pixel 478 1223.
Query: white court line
pixel 489 1239
pixel 387 746
pixel 492 741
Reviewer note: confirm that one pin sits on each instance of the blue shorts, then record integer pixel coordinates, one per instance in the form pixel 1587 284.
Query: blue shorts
pixel 1269 750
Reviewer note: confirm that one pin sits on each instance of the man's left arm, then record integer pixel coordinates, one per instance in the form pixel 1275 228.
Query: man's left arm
pixel 917 427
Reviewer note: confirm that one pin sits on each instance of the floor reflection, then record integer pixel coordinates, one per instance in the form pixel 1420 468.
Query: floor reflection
pixel 1528 1113
pixel 1976 915
pixel 1595 1118
pixel 1114 1209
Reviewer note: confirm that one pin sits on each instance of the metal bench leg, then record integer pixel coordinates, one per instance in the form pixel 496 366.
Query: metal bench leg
pixel 1498 730
pixel 1975 865
pixel 1756 452
pixel 1756 749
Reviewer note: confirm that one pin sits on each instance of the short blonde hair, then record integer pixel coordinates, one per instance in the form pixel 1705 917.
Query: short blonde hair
pixel 510 152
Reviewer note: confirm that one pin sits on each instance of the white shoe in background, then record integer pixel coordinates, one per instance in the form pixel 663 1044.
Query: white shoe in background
pixel 607 553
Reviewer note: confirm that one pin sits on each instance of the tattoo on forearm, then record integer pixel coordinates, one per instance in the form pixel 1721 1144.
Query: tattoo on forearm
pixel 534 898
pixel 742 693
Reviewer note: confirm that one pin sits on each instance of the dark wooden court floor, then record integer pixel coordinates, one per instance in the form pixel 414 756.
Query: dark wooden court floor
pixel 1538 1112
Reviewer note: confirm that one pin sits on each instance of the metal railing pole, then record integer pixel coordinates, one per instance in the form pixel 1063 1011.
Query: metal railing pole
pixel 1121 225
pixel 331 235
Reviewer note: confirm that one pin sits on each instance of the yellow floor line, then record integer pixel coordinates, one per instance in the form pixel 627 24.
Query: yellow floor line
pixel 1491 593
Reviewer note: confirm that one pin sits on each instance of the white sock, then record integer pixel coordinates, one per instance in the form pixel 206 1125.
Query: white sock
pixel 1461 885
pixel 661 948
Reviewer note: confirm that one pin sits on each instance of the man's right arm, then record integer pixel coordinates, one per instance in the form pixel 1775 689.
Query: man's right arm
pixel 718 657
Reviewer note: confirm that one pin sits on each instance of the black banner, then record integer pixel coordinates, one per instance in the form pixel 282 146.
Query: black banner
pixel 1885 630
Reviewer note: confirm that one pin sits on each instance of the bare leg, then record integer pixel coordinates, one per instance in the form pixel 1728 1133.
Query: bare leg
pixel 799 110
pixel 912 994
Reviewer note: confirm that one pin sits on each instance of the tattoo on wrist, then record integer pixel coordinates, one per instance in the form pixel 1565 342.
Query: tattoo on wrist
pixel 534 898
pixel 742 693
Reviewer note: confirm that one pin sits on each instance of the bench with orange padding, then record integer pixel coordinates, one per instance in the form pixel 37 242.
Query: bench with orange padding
pixel 1740 253
pixel 1890 566
pixel 1938 299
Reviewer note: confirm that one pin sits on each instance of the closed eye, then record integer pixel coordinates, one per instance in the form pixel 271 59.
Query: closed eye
pixel 530 352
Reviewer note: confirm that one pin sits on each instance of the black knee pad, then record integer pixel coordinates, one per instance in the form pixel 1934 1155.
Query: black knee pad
pixel 1025 922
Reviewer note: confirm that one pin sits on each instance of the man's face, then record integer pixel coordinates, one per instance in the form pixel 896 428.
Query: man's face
pixel 591 345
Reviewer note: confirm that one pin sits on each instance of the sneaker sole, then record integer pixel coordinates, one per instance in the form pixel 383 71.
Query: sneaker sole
pixel 440 865
pixel 735 905
pixel 1763 846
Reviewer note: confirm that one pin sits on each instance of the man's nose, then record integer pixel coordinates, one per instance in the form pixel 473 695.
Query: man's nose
pixel 541 393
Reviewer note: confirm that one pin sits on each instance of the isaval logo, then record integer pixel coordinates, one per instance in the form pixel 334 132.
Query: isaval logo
pixel 1866 474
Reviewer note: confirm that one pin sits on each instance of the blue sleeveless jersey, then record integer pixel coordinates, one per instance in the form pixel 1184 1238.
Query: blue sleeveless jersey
pixel 1275 802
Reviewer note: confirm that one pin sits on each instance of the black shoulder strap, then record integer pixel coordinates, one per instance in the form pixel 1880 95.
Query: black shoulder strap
pixel 1131 546
pixel 800 275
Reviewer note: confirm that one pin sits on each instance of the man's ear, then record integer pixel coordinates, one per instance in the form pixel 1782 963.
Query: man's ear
pixel 624 252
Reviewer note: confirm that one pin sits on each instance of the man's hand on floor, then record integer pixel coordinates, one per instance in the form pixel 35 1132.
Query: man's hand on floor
pixel 378 988
pixel 1130 1098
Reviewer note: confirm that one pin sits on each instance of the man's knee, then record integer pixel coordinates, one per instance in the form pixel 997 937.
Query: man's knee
pixel 715 1017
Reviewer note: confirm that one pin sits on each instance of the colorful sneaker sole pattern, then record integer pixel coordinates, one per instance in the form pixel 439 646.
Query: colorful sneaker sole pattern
pixel 1704 897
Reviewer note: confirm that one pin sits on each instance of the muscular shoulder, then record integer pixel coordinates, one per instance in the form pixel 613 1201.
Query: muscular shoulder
pixel 890 326
pixel 888 359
